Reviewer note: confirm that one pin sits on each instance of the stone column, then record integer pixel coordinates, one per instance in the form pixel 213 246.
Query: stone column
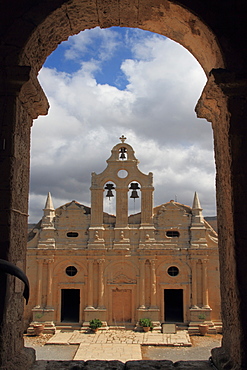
pixel 121 207
pixel 39 282
pixel 21 100
pixel 223 102
pixel 153 285
pixel 142 283
pixel 101 284
pixel 90 284
pixel 204 284
pixel 194 284
pixel 97 206
pixel 49 283
pixel 147 205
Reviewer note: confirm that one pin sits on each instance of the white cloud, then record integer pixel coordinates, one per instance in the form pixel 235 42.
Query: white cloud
pixel 155 112
pixel 105 40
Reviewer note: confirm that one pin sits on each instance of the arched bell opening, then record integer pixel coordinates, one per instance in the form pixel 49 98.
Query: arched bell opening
pixel 134 200
pixel 123 153
pixel 109 198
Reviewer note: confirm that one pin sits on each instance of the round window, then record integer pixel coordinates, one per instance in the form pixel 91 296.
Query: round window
pixel 71 270
pixel 173 271
pixel 122 174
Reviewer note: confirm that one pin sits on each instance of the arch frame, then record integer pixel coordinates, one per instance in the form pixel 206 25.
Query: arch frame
pixel 223 102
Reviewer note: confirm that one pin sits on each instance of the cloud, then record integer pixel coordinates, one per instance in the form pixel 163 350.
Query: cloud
pixel 155 111
pixel 103 42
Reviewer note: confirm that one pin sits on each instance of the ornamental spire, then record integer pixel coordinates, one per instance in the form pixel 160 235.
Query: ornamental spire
pixel 196 202
pixel 49 203
pixel 197 217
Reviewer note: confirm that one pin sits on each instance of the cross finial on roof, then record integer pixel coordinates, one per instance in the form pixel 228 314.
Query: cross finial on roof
pixel 122 138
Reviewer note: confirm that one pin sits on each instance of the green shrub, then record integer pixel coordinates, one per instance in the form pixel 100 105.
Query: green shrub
pixel 95 323
pixel 146 323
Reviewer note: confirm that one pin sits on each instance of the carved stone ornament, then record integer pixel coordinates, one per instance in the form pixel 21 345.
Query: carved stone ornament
pixel 121 279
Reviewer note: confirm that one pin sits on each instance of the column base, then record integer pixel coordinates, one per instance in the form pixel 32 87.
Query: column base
pixel 150 313
pixel 43 314
pixel 95 313
pixel 89 308
pixel 48 327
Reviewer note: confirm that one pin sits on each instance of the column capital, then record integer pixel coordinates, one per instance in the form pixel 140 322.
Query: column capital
pixel 230 82
pixel 12 78
pixel 22 81
pixel 49 260
pixel 152 262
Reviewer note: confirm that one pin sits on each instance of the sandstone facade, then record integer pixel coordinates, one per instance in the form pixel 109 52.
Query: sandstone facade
pixel 161 263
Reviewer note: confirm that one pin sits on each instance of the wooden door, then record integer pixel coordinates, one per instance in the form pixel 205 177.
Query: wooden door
pixel 121 305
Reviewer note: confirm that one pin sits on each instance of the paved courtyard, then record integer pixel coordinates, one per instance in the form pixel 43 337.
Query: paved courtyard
pixel 110 349
pixel 123 345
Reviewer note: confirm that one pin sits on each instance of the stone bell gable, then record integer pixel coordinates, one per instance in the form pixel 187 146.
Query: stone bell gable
pixel 160 262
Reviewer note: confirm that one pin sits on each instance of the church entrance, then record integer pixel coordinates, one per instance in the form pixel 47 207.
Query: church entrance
pixel 173 305
pixel 121 306
pixel 70 305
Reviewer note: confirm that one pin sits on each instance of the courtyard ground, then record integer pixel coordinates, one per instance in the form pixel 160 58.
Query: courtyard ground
pixel 119 345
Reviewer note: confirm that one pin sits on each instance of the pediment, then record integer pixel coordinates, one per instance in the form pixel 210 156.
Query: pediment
pixel 74 206
pixel 171 214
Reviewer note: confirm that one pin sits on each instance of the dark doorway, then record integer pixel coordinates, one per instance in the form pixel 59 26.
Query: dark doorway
pixel 70 305
pixel 173 305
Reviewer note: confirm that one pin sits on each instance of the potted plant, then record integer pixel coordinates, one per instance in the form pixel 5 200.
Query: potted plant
pixel 146 324
pixel 38 328
pixel 95 324
pixel 203 328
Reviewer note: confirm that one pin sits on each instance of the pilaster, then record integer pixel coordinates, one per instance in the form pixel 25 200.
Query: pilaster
pixel 142 262
pixel 121 207
pixel 101 283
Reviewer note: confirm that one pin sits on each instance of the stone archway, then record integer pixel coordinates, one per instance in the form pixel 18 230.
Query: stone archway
pixel 28 41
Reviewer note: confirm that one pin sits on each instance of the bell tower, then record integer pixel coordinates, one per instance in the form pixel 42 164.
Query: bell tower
pixel 122 170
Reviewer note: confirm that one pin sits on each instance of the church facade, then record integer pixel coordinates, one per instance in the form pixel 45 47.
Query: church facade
pixel 160 263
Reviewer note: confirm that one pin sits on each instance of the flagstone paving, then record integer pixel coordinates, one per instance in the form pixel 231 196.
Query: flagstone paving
pixel 124 345
pixel 181 338
pixel 123 352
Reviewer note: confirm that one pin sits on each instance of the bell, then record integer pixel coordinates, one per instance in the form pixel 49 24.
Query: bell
pixel 109 194
pixel 122 151
pixel 109 188
pixel 134 194
pixel 134 186
pixel 122 156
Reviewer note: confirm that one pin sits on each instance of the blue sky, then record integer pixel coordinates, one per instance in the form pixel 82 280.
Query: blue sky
pixel 103 83
pixel 68 57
